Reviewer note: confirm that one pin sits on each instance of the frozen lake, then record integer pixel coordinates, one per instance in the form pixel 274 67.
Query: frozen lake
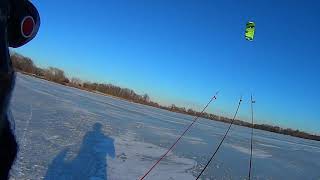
pixel 66 133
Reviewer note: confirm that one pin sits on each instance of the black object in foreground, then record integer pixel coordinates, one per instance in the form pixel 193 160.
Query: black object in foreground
pixel 19 23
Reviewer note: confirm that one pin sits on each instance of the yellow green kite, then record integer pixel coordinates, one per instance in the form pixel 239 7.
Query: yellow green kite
pixel 250 27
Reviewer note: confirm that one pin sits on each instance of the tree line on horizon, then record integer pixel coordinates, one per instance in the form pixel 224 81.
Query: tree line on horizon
pixel 26 65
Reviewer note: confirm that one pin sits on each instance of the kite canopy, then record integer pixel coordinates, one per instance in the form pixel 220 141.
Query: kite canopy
pixel 250 28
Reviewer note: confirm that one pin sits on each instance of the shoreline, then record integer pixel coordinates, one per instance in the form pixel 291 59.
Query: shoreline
pixel 263 127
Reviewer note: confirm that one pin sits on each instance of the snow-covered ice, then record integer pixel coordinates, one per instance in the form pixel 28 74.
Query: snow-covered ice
pixel 67 133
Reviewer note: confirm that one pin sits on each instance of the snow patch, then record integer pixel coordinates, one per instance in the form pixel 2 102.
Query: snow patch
pixel 134 158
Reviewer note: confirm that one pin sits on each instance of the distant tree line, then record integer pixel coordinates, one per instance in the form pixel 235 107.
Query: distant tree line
pixel 25 65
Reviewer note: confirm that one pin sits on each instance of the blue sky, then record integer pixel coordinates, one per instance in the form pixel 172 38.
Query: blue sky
pixel 183 51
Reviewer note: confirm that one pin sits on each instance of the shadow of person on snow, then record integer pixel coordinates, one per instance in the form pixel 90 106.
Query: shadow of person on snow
pixel 90 163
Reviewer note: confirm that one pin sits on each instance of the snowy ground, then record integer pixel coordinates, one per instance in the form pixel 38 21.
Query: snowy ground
pixel 66 133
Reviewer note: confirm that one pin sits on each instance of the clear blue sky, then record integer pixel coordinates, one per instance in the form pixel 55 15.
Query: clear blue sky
pixel 182 51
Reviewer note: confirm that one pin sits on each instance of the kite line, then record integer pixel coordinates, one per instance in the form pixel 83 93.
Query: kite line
pixel 224 137
pixel 185 131
pixel 250 163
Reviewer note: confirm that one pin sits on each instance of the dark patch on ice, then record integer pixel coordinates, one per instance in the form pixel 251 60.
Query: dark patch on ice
pixel 90 163
pixel 122 156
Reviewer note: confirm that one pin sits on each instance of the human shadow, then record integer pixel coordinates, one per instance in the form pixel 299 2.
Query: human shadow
pixel 90 163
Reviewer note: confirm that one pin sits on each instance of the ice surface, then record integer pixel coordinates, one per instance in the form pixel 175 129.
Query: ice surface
pixel 137 155
pixel 67 133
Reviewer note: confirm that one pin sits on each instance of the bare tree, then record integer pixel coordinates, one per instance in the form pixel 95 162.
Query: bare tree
pixel 146 98
pixel 76 82
pixel 56 75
